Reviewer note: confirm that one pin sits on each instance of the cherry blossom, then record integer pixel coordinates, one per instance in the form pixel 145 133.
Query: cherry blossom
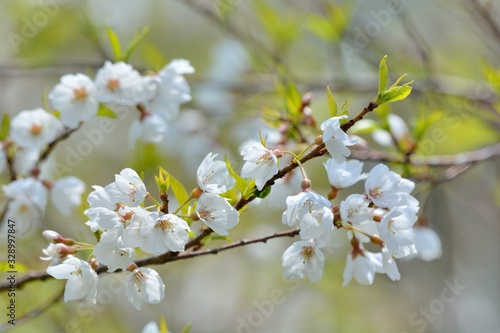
pixel 150 128
pixel 336 140
pixel 216 213
pixel 66 194
pixel 128 188
pixel 82 279
pixel 144 285
pixel 299 205
pixel 362 265
pixel 427 243
pixel 302 259
pixel 75 98
pixel 33 129
pixel 172 89
pixel 119 83
pixel 396 228
pixel 260 163
pixel 165 233
pixel 345 174
pixel 213 176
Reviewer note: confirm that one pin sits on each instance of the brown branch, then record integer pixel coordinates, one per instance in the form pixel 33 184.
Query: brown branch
pixel 54 143
pixel 470 157
pixel 197 241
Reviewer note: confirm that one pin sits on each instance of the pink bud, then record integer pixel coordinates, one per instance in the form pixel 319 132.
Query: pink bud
pixel 52 236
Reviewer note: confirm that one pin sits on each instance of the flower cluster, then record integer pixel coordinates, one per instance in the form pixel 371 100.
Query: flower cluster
pixel 385 214
pixel 77 99
pixel 122 225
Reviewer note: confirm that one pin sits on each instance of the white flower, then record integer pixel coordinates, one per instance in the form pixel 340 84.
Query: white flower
pixel 317 225
pixel 113 253
pixel 261 163
pixel 172 90
pixel 216 213
pixel 29 188
pixel 132 234
pixel 389 265
pixel 24 213
pixel 55 252
pixel 301 259
pixel 427 243
pixel 33 129
pixel 100 198
pixel 166 233
pixel 396 228
pixel 74 97
pixel 102 219
pixel 386 188
pixel 151 129
pixel 128 188
pixel 66 194
pixel 151 327
pixel 82 279
pixel 355 209
pixel 213 176
pixel 299 205
pixel 119 83
pixel 345 174
pixel 362 265
pixel 25 160
pixel 336 140
pixel 144 285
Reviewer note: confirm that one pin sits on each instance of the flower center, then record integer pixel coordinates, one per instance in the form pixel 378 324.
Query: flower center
pixel 307 252
pixel 375 193
pixel 36 129
pixel 140 279
pixel 205 214
pixel 113 84
pixel 265 158
pixel 164 225
pixel 80 94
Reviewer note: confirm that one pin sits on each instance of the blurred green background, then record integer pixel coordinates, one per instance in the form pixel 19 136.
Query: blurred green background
pixel 450 48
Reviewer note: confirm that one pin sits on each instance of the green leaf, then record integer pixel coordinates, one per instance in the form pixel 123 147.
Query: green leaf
pixel 425 122
pixel 180 192
pixel 115 44
pixel 152 56
pixel 382 75
pixel 344 110
pixel 320 26
pixel 105 111
pixel 132 45
pixel 243 185
pixel 394 94
pixel 5 126
pixel 332 104
pixel 163 180
pixel 263 193
pixel 291 97
pixel 163 325
pixel 186 328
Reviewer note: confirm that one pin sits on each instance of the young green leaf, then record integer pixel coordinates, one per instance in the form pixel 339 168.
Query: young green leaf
pixel 180 192
pixel 105 111
pixel 382 75
pixel 332 104
pixel 241 183
pixel 186 328
pixel 132 45
pixel 5 126
pixel 115 43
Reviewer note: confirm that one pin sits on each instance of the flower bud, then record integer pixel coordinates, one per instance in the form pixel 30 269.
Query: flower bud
pixel 305 184
pixel 52 236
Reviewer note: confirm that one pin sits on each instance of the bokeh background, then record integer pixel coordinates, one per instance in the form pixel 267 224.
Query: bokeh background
pixel 238 47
